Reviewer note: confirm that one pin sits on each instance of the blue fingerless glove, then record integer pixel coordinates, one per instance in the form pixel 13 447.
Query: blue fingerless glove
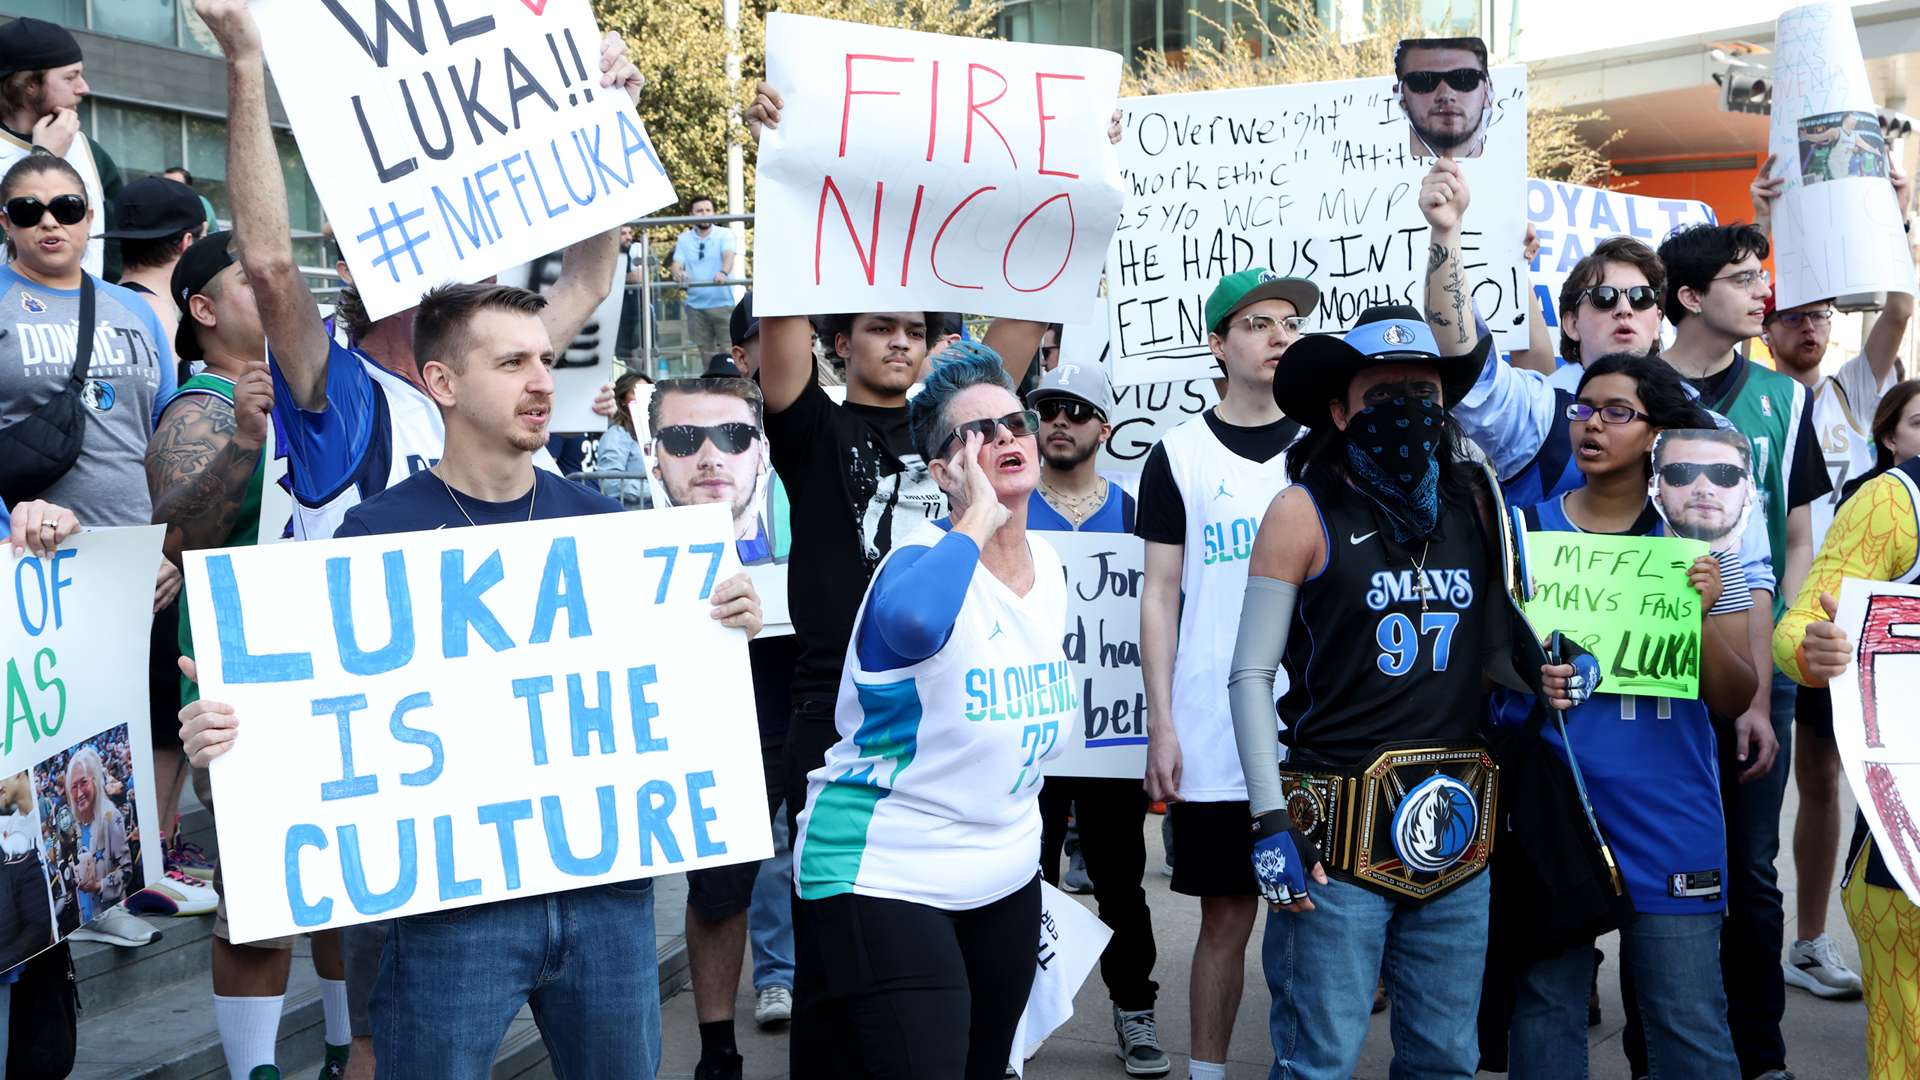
pixel 1586 671
pixel 1282 858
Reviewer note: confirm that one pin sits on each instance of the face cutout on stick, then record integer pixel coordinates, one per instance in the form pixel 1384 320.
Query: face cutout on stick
pixel 1446 91
pixel 1702 484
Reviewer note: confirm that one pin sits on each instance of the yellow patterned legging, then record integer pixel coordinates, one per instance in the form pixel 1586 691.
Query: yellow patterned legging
pixel 1888 928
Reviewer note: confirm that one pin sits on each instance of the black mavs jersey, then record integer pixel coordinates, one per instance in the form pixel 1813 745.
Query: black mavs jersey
pixel 1369 663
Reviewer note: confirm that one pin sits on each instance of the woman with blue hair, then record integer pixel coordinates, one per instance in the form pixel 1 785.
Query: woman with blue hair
pixel 917 860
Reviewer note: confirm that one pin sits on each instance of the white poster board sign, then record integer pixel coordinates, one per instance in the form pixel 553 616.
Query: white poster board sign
pixel 449 142
pixel 1872 718
pixel 1071 941
pixel 1569 219
pixel 1104 575
pixel 435 720
pixel 919 171
pixel 585 364
pixel 77 818
pixel 1836 226
pixel 1313 180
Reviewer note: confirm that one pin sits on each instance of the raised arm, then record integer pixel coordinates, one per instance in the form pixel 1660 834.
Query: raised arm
pixel 1538 355
pixel 1882 347
pixel 202 458
pixel 261 229
pixel 1016 340
pixel 1443 199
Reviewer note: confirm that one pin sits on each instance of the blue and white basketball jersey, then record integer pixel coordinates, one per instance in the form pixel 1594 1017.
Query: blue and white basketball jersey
pixel 1226 498
pixel 930 796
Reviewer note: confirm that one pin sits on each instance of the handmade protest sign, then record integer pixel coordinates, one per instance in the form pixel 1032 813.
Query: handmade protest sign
pixel 1569 219
pixel 1626 600
pixel 1879 749
pixel 1071 941
pixel 1313 180
pixel 924 172
pixel 435 720
pixel 1836 226
pixel 1104 572
pixel 76 760
pixel 448 141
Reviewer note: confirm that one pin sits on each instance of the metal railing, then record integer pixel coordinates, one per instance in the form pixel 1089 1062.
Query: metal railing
pixel 643 230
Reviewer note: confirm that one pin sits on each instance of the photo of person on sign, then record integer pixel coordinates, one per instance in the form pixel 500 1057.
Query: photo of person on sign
pixel 1703 484
pixel 708 444
pixel 1445 89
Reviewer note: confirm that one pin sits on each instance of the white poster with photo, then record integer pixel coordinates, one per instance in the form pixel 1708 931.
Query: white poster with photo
pixel 1104 575
pixel 78 827
pixel 1313 180
pixel 1879 745
pixel 1569 219
pixel 1837 226
pixel 1071 941
pixel 921 171
pixel 442 719
pixel 449 142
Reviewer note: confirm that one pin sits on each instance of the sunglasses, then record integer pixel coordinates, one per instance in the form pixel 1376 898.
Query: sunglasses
pixel 683 440
pixel 26 211
pixel 1723 474
pixel 1580 412
pixel 1607 297
pixel 1018 424
pixel 1465 80
pixel 1076 412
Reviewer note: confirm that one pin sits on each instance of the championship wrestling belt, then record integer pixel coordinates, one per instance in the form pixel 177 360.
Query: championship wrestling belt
pixel 1411 825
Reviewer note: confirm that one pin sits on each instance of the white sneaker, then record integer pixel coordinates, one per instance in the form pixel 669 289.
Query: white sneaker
pixel 1815 966
pixel 117 926
pixel 774 1006
pixel 175 894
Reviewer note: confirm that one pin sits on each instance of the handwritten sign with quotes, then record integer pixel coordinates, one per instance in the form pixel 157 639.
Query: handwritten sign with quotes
pixel 1314 180
pixel 1104 574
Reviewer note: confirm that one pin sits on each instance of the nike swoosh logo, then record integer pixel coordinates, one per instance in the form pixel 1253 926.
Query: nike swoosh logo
pixel 1352 539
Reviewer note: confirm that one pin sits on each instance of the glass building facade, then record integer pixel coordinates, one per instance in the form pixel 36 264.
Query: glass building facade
pixel 146 135
pixel 1131 27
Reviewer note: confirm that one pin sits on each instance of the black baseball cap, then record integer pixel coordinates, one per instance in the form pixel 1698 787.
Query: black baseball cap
pixel 154 206
pixel 202 263
pixel 743 326
pixel 36 45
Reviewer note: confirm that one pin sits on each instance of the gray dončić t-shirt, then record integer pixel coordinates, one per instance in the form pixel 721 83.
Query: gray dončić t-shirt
pixel 129 377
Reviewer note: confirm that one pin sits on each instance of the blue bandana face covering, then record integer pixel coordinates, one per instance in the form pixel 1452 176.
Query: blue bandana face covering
pixel 1392 449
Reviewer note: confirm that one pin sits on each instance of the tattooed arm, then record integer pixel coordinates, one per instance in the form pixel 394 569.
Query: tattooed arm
pixel 1443 199
pixel 202 459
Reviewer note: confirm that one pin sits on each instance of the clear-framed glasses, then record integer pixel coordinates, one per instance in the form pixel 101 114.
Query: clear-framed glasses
pixel 1816 318
pixel 1263 325
pixel 1747 279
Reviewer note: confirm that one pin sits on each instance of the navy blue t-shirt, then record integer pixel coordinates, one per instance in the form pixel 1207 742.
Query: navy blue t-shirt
pixel 423 501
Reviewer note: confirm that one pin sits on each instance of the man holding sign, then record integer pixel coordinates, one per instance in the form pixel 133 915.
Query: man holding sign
pixel 448 986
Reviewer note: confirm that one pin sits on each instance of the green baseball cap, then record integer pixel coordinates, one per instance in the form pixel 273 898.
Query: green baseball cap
pixel 1254 284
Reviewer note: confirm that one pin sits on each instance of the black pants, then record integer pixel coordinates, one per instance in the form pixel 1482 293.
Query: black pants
pixel 1111 814
pixel 891 990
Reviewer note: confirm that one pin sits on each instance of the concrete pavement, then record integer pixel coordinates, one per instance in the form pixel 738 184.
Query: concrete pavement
pixel 1824 1039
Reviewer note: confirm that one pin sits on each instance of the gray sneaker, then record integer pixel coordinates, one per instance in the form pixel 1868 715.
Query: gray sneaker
pixel 1139 1049
pixel 1076 880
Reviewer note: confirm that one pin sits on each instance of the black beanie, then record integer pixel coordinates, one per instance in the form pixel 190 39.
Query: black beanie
pixel 35 45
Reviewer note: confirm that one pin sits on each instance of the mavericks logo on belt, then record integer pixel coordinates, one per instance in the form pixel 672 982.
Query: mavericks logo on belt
pixel 1434 823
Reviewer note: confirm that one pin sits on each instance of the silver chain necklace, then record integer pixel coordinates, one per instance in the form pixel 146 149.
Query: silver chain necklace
pixel 533 494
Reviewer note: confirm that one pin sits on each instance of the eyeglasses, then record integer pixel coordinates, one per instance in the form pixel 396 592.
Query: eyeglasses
pixel 1795 318
pixel 1263 325
pixel 26 211
pixel 1746 279
pixel 1607 297
pixel 1018 424
pixel 1723 474
pixel 1076 412
pixel 683 440
pixel 1580 412
pixel 1465 80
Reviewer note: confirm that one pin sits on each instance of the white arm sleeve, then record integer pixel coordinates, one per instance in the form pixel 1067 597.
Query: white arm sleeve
pixel 1266 615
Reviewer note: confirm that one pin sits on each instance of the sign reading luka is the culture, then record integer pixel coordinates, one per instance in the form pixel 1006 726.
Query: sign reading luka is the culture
pixel 434 720
pixel 449 141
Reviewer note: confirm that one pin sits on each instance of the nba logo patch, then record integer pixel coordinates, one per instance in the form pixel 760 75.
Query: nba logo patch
pixel 32 304
pixel 1766 404
pixel 1397 335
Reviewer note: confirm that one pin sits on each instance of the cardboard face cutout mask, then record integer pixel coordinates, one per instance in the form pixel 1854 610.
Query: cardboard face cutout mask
pixel 1703 485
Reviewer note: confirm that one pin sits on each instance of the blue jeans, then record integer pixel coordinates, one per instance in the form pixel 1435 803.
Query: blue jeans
pixel 1683 1013
pixel 1321 968
pixel 770 918
pixel 451 982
